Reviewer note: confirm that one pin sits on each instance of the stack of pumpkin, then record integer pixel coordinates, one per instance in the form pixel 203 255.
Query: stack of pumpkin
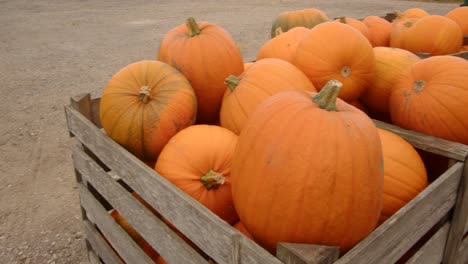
pixel 278 143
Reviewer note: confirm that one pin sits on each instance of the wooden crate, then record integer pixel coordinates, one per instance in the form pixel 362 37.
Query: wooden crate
pixel 435 220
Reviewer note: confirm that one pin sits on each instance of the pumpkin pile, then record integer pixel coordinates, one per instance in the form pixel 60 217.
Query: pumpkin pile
pixel 284 148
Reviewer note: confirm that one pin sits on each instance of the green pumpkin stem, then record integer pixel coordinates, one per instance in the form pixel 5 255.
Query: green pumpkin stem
pixel 232 82
pixel 193 28
pixel 145 94
pixel 212 179
pixel 326 98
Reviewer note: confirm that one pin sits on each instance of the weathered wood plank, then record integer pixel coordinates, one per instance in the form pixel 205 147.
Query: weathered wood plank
pixel 459 219
pixel 214 236
pixel 99 245
pixel 401 231
pixel 463 55
pixel 291 253
pixel 463 252
pixel 152 229
pixel 120 240
pixel 433 249
pixel 428 143
pixel 93 259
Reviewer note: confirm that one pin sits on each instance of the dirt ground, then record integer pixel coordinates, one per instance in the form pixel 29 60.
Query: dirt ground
pixel 53 49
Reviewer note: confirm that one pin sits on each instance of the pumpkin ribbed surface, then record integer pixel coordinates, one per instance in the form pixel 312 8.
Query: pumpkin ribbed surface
pixel 145 104
pixel 379 31
pixel 198 160
pixel 432 97
pixel 304 174
pixel 460 16
pixel 308 18
pixel 283 46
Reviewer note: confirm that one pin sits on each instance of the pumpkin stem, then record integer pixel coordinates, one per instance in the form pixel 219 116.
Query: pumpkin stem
pixel 398 14
pixel 212 179
pixel 326 98
pixel 193 29
pixel 278 31
pixel 343 20
pixel 232 82
pixel 419 85
pixel 145 94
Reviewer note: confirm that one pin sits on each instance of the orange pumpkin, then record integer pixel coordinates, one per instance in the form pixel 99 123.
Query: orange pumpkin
pixel 299 161
pixel 460 16
pixel 247 65
pixel 432 97
pixel 283 46
pixel 404 173
pixel 390 64
pixel 206 54
pixel 379 31
pixel 265 78
pixel 410 14
pixel 198 161
pixel 357 24
pixel 308 18
pixel 134 235
pixel 239 226
pixel 322 56
pixel 145 104
pixel 436 35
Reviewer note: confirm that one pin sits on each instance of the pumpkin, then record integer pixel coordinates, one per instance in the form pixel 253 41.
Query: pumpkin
pixel 432 97
pixel 436 35
pixel 460 16
pixel 283 46
pixel 379 31
pixel 410 13
pixel 359 105
pixel 300 160
pixel 322 56
pixel 357 24
pixel 301 18
pixel 404 173
pixel 198 161
pixel 390 64
pixel 265 78
pixel 206 54
pixel 239 226
pixel 145 104
pixel 247 65
pixel 134 235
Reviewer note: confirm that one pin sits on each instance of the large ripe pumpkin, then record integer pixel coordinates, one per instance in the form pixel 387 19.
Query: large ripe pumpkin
pixel 390 64
pixel 460 16
pixel 206 54
pixel 308 18
pixel 410 14
pixel 145 104
pixel 283 46
pixel 379 31
pixel 323 56
pixel 432 97
pixel 404 173
pixel 262 80
pixel 436 35
pixel 198 160
pixel 308 170
pixel 357 24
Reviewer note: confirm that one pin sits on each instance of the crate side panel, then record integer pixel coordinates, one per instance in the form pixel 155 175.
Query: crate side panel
pixel 401 231
pixel 433 250
pixel 93 259
pixel 99 245
pixel 151 228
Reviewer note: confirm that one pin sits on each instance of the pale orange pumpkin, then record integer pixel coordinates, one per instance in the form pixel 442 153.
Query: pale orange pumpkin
pixel 390 64
pixel 323 55
pixel 198 161
pixel 357 24
pixel 308 18
pixel 206 54
pixel 410 14
pixel 431 97
pixel 379 31
pixel 460 16
pixel 404 173
pixel 283 46
pixel 247 65
pixel 145 104
pixel 265 78
pixel 300 160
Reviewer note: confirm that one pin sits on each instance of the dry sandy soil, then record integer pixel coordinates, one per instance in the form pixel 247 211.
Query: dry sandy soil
pixel 53 49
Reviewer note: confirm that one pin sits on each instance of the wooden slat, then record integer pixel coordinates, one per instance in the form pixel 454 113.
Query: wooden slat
pixel 463 55
pixel 459 219
pixel 433 249
pixel 120 240
pixel 93 259
pixel 291 253
pixel 215 237
pixel 432 144
pixel 463 252
pixel 401 231
pixel 99 245
pixel 165 241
